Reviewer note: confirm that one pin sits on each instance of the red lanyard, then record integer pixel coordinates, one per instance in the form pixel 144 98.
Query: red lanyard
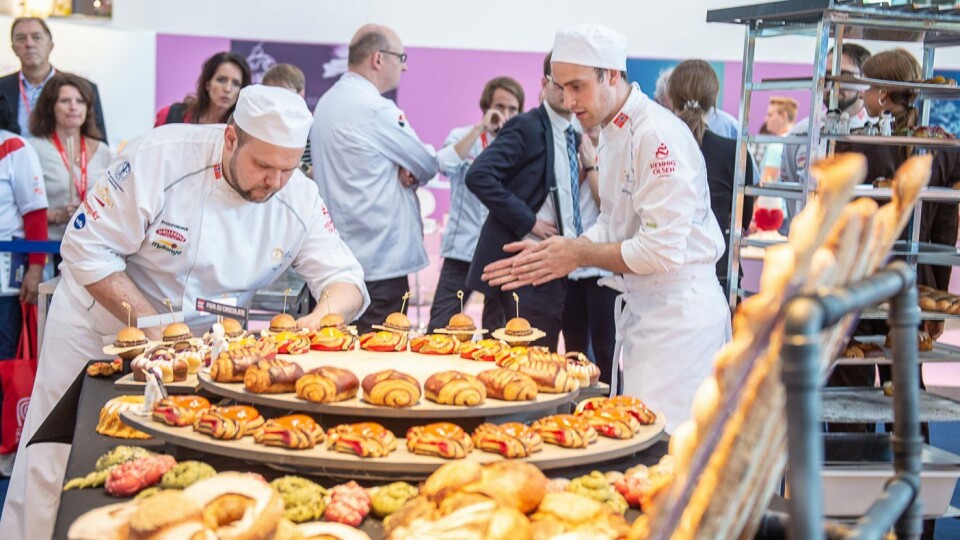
pixel 23 90
pixel 82 183
pixel 483 140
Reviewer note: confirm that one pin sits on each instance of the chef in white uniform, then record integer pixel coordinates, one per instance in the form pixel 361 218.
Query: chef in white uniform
pixel 185 212
pixel 655 229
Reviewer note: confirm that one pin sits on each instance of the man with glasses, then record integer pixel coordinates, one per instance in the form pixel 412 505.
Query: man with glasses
pixel 368 163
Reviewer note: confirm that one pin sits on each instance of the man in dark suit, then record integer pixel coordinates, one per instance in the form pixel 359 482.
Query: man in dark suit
pixel 516 178
pixel 32 43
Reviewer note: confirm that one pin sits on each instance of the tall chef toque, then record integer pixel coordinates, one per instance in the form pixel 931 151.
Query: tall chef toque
pixel 591 45
pixel 274 115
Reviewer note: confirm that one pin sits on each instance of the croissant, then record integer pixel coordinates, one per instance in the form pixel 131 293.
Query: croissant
pixel 391 388
pixel 366 439
pixel 384 341
pixel 296 431
pixel 231 365
pixel 180 410
pixel 441 439
pixel 566 430
pixel 272 376
pixel 454 388
pixel 332 339
pixel 612 422
pixel 551 377
pixel 485 350
pixel 634 406
pixel 327 384
pixel 234 422
pixel 510 440
pixel 435 344
pixel 508 385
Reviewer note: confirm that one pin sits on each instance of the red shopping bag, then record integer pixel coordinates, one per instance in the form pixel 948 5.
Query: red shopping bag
pixel 16 377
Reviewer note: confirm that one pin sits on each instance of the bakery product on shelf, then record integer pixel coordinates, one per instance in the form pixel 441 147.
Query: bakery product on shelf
pixel 289 342
pixel 190 353
pixel 924 341
pixel 180 410
pixel 508 385
pixel 295 431
pixel 237 505
pixel 169 514
pixel 586 372
pixel 132 340
pixel 105 369
pixel 186 473
pixel 514 484
pixel 232 329
pixel 129 478
pixel 110 423
pixel 579 515
pixel 274 376
pixel 634 406
pixel 612 422
pixel 641 484
pixel 385 500
pixel 333 335
pixel 233 422
pixel 384 341
pixel 441 439
pixel 349 504
pixel 860 349
pixel 551 377
pixel 303 499
pixel 232 364
pixel 435 344
pixel 510 440
pixel 598 487
pixel 163 357
pixel 454 388
pixel 282 322
pixel 325 530
pixel 106 463
pixel 462 327
pixel 485 350
pixel 518 331
pixel 365 439
pixel 176 332
pixel 327 384
pixel 566 430
pixel 391 388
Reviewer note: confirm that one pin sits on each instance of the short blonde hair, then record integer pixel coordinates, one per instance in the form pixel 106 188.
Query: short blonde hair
pixel 785 105
pixel 285 76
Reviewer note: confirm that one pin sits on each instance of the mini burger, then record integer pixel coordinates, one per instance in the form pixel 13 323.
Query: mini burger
pixel 518 330
pixel 462 327
pixel 283 322
pixel 396 322
pixel 176 332
pixel 232 328
pixel 333 320
pixel 130 337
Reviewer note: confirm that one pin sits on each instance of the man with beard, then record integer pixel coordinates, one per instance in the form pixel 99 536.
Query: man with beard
pixel 184 213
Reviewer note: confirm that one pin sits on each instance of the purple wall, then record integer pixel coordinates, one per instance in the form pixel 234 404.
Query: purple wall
pixel 733 74
pixel 179 60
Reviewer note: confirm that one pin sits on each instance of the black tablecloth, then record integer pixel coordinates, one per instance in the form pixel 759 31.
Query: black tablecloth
pixel 80 408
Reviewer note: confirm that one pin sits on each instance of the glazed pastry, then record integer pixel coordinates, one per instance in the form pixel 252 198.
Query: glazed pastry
pixel 290 342
pixel 303 499
pixel 186 473
pixel 349 504
pixel 508 385
pixel 566 430
pixel 189 353
pixel 579 515
pixel 232 364
pixel 924 341
pixel 366 439
pixel 391 388
pixel 435 344
pixel 234 422
pixel 274 376
pixel 105 464
pixel 331 338
pixel 485 350
pixel 105 369
pixel 110 423
pixel 441 439
pixel 586 372
pixel 384 341
pixel 631 404
pixel 385 500
pixel 612 422
pixel 131 477
pixel 510 440
pixel 596 486
pixel 551 377
pixel 237 505
pixel 454 388
pixel 327 384
pixel 180 410
pixel 296 431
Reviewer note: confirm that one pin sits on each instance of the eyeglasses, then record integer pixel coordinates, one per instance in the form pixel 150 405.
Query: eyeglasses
pixel 401 56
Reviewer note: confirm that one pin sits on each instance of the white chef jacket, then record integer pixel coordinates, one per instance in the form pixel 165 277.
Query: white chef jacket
pixel 467 213
pixel 360 140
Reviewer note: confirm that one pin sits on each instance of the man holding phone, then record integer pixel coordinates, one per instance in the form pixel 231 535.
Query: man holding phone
pixel 501 100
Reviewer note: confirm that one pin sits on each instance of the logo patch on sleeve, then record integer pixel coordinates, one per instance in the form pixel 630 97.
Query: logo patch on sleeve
pixel 620 120
pixel 662 151
pixel 80 221
pixel 402 120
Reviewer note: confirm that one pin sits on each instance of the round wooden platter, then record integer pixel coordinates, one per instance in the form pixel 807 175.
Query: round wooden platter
pixel 398 463
pixel 363 363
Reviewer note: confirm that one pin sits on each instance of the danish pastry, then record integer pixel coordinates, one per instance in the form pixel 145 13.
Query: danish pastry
pixel 634 406
pixel 273 376
pixel 180 410
pixel 290 342
pixel 366 439
pixel 613 422
pixel 331 338
pixel 296 431
pixel 485 350
pixel 232 364
pixel 384 341
pixel 441 439
pixel 454 388
pixel 391 388
pixel 508 385
pixel 435 344
pixel 110 423
pixel 586 372
pixel 551 377
pixel 566 430
pixel 105 369
pixel 327 384
pixel 234 422
pixel 510 440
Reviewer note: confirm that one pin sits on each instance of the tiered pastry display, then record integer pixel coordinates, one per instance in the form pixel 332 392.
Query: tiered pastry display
pixel 327 384
pixel 730 455
pixel 441 439
pixel 180 410
pixel 391 388
pixel 274 376
pixel 232 364
pixel 455 388
pixel 365 439
pixel 333 335
pixel 110 423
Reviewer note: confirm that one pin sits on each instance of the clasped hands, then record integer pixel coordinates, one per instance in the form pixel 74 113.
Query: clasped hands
pixel 535 263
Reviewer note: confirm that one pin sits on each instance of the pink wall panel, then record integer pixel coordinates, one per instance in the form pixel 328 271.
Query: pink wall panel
pixel 179 59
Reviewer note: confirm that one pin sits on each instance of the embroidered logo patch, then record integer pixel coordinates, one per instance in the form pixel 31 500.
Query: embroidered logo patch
pixel 662 151
pixel 80 221
pixel 620 120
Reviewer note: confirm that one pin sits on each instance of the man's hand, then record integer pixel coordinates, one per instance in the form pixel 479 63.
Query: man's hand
pixel 406 178
pixel 499 272
pixel 30 286
pixel 492 121
pixel 543 229
pixel 536 264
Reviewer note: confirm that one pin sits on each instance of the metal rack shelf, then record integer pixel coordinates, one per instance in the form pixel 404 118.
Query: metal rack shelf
pixel 785 190
pixel 921 142
pixel 928 194
pixel 927 90
pixel 941 353
pixel 843 405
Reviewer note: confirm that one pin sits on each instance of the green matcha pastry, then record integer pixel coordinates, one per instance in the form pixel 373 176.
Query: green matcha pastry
pixel 596 486
pixel 186 473
pixel 386 500
pixel 303 499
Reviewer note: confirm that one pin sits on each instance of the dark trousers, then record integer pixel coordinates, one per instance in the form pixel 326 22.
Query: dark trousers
pixel 453 278
pixel 386 297
pixel 588 321
pixel 11 319
pixel 542 306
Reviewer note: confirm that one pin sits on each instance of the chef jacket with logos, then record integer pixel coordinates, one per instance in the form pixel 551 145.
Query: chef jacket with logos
pixel 672 317
pixel 360 139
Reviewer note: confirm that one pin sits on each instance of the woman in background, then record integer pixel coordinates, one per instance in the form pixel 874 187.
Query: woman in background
pixel 222 77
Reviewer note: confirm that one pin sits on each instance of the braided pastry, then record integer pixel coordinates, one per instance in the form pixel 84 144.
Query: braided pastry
pixel 551 377
pixel 612 422
pixel 566 430
pixel 391 388
pixel 180 410
pixel 586 372
pixel 454 388
pixel 296 431
pixel 634 406
pixel 441 439
pixel 272 376
pixel 544 353
pixel 231 365
pixel 331 338
pixel 366 439
pixel 435 344
pixel 234 422
pixel 510 440
pixel 327 384
pixel 289 342
pixel 485 350
pixel 384 341
pixel 508 385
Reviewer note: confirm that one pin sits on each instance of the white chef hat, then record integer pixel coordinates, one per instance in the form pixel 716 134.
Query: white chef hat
pixel 591 45
pixel 274 115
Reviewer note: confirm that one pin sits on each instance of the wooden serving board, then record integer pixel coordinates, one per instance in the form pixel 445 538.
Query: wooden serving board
pixel 190 385
pixel 400 463
pixel 363 363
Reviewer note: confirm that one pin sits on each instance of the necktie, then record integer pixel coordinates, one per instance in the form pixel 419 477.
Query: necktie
pixel 574 178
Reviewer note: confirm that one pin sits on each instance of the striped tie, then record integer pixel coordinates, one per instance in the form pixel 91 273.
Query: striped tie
pixel 574 178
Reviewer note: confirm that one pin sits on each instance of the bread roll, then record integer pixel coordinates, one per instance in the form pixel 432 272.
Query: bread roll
pixel 327 384
pixel 454 388
pixel 273 376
